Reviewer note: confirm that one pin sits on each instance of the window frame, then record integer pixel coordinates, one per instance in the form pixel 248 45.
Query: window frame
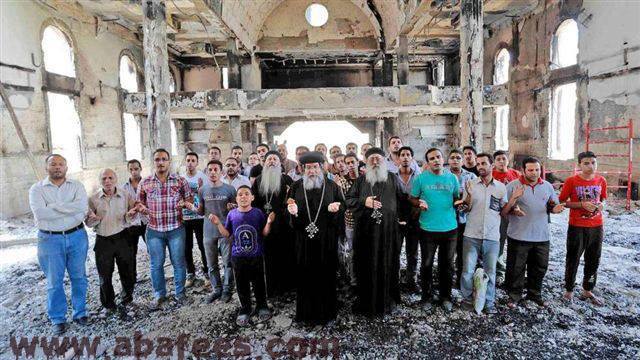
pixel 553 46
pixel 127 53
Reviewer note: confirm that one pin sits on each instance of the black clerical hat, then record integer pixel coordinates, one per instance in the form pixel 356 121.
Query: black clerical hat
pixel 374 150
pixel 312 157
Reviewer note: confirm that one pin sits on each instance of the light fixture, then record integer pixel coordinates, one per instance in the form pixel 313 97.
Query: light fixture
pixel 316 15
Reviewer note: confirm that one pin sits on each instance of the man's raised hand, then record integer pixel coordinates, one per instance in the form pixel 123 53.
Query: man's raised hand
pixel 214 219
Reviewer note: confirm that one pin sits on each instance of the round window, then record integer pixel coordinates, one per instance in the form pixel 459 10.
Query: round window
pixel 317 15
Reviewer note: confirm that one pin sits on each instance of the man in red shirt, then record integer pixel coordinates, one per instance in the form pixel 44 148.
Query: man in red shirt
pixel 584 195
pixel 503 173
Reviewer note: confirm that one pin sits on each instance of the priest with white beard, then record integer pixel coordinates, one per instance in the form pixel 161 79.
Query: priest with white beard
pixel 316 206
pixel 375 199
pixel 270 193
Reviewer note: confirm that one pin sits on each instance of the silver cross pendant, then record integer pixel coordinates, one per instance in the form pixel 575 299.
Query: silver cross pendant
pixel 312 230
pixel 268 208
pixel 377 216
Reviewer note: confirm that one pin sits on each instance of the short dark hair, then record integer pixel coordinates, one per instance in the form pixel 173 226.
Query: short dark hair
pixel 487 155
pixel 214 147
pixel 134 161
pixel 530 160
pixel 454 151
pixel 235 147
pixel 46 160
pixel 393 137
pixel 215 162
pixel 244 187
pixel 253 153
pixel 470 147
pixel 302 147
pixel 162 150
pixel 351 155
pixel 500 152
pixel 323 144
pixel 426 154
pixel 407 148
pixel 232 158
pixel 262 145
pixel 338 155
pixel 585 155
pixel 352 143
pixel 191 153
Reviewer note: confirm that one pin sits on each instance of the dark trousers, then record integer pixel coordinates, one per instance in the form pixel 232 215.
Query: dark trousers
pixel 135 232
pixel 119 250
pixel 587 240
pixel 191 227
pixel 532 257
pixel 430 241
pixel 501 266
pixel 410 233
pixel 249 272
pixel 459 256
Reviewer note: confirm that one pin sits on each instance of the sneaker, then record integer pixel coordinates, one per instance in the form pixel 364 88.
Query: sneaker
pixel 212 297
pixel 264 315
pixel 190 280
pixel 538 301
pixel 59 329
pixel 490 310
pixel 243 320
pixel 156 304
pixel 467 305
pixel 226 297
pixel 181 299
pixel 82 321
pixel 447 305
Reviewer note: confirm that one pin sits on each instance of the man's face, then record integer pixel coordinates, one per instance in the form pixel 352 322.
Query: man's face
pixel 435 161
pixel 299 153
pixel 237 154
pixel 340 165
pixel 375 160
pixel 502 162
pixel 282 150
pixel 588 166
pixel 108 180
pixel 394 145
pixel 364 149
pixel 312 169
pixel 321 148
pixel 214 154
pixel 214 172
pixel 484 166
pixel 254 159
pixel 532 172
pixel 57 167
pixel 352 164
pixel 191 162
pixel 244 197
pixel 455 161
pixel 469 156
pixel 232 167
pixel 134 170
pixel 352 148
pixel 334 152
pixel 161 162
pixel 262 150
pixel 405 158
pixel 272 161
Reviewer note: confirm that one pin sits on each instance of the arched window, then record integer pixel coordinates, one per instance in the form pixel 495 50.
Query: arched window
pixel 564 45
pixel 501 76
pixel 64 122
pixel 132 131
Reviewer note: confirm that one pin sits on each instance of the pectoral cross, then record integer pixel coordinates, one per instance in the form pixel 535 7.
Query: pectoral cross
pixel 312 230
pixel 377 216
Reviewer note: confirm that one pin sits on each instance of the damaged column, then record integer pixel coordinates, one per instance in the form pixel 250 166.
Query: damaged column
pixel 471 55
pixel 156 73
pixel 235 82
pixel 400 126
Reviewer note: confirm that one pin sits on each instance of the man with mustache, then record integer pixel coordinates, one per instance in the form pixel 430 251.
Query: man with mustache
pixel 270 192
pixel 374 200
pixel 316 206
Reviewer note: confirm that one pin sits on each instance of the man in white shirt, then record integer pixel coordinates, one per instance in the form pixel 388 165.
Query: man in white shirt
pixel 233 177
pixel 59 206
pixel 192 221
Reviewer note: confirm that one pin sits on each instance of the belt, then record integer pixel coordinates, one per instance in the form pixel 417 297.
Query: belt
pixel 63 232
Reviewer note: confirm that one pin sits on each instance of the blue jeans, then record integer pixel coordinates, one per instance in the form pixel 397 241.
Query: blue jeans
pixel 490 251
pixel 157 241
pixel 57 253
pixel 213 247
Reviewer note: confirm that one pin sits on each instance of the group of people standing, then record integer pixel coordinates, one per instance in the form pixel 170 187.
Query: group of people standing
pixel 274 225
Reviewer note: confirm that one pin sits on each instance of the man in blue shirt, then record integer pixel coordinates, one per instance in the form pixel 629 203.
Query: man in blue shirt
pixel 434 192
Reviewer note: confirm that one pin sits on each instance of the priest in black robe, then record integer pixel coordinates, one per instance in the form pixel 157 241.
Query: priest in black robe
pixel 270 194
pixel 316 206
pixel 375 199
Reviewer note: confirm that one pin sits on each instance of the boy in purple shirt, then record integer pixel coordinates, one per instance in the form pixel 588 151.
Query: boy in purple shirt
pixel 247 226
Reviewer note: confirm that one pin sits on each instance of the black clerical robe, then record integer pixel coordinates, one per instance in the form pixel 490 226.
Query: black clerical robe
pixel 278 245
pixel 376 247
pixel 317 255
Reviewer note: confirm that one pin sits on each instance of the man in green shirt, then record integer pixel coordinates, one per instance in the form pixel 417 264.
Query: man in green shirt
pixel 434 192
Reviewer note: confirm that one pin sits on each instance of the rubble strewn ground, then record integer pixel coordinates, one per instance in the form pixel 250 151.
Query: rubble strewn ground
pixel 576 330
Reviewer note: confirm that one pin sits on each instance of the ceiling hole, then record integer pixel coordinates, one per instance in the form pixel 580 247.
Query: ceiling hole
pixel 317 15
